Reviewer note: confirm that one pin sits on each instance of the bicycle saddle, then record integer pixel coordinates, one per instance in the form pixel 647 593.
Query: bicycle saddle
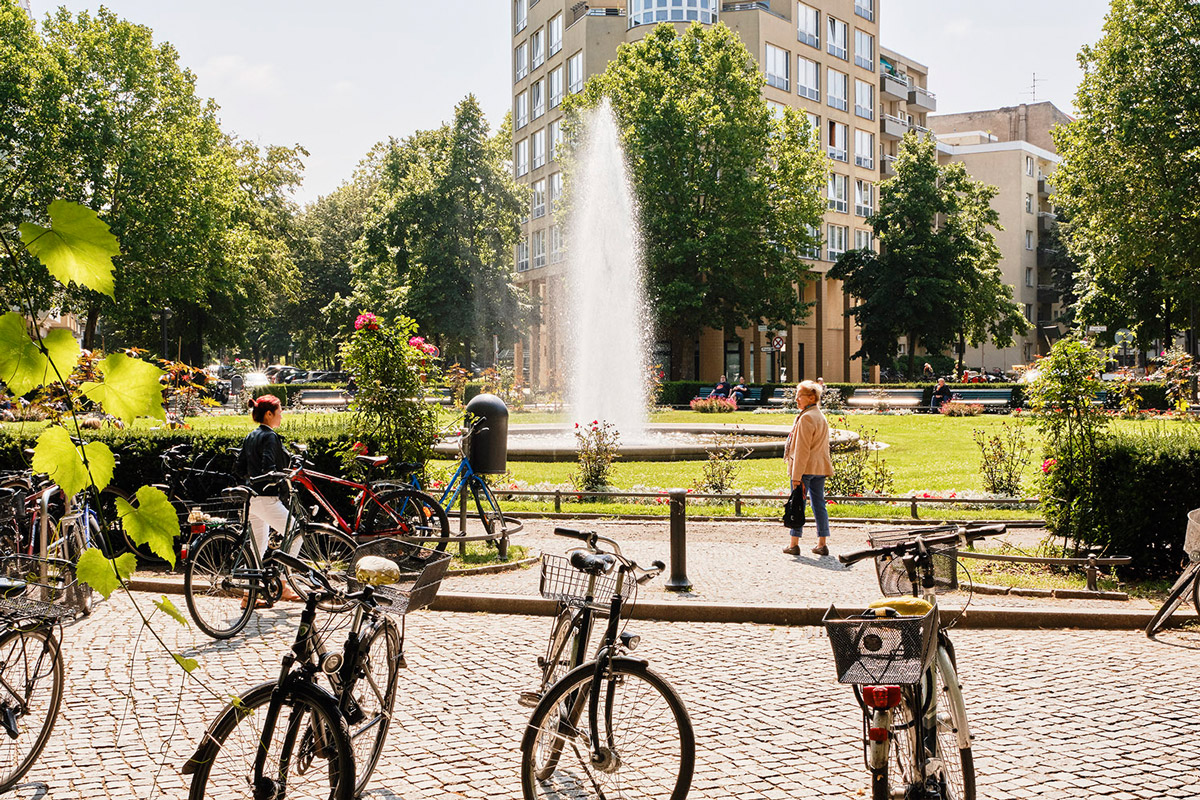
pixel 371 461
pixel 406 468
pixel 376 571
pixel 590 564
pixel 10 587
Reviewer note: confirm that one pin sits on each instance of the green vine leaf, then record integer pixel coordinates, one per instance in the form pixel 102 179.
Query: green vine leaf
pixel 153 523
pixel 105 576
pixel 23 366
pixel 168 608
pixel 58 457
pixel 130 389
pixel 188 664
pixel 77 247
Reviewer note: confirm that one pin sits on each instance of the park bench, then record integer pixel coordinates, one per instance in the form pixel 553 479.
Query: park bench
pixel 323 398
pixel 752 397
pixel 441 396
pixel 888 398
pixel 782 397
pixel 988 398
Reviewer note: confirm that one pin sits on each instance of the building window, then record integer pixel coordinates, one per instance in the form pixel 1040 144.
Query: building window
pixel 864 240
pixel 539 248
pixel 836 41
pixel 522 58
pixel 575 73
pixel 555 139
pixel 1029 312
pixel 557 250
pixel 554 34
pixel 1028 240
pixel 522 111
pixel 838 186
pixel 733 357
pixel 648 12
pixel 522 159
pixel 776 66
pixel 864 99
pixel 864 50
pixel 864 149
pixel 814 122
pixel 537 98
pixel 1029 166
pixel 538 203
pixel 865 9
pixel 1028 204
pixel 522 258
pixel 556 87
pixel 1029 276
pixel 808 78
pixel 837 141
pixel 813 251
pixel 555 189
pixel 836 88
pixel 776 108
pixel 537 53
pixel 539 148
pixel 835 245
pixel 808 25
pixel 522 14
pixel 864 198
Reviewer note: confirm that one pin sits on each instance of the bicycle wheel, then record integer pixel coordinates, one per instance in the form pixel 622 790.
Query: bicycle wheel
pixel 31 687
pixel 491 515
pixel 368 708
pixel 407 513
pixel 220 593
pixel 1175 598
pixel 308 752
pixel 324 548
pixel 958 764
pixel 647 748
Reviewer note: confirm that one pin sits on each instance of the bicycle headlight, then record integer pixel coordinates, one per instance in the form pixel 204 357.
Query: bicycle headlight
pixel 630 641
pixel 331 663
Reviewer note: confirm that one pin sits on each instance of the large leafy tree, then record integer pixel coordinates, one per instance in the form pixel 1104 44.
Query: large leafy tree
pixel 1130 174
pixel 438 246
pixel 936 278
pixel 728 197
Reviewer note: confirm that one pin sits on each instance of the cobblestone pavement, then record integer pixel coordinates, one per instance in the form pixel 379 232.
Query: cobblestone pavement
pixel 741 562
pixel 1057 714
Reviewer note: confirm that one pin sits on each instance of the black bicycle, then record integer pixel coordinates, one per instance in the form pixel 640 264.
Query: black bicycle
pixel 1188 582
pixel 609 727
pixel 295 738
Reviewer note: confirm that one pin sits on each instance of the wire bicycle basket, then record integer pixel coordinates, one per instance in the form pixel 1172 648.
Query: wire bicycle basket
pixel 421 573
pixel 870 650
pixel 52 588
pixel 1191 539
pixel 562 582
pixel 893 577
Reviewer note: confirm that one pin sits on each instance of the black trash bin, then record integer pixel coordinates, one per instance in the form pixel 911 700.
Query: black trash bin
pixel 488 451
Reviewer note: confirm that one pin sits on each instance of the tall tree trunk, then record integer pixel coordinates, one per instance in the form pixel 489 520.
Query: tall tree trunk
pixel 679 344
pixel 89 329
pixel 912 356
pixel 962 351
pixel 1168 338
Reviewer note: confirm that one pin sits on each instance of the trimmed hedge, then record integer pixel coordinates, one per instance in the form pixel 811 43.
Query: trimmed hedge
pixel 288 392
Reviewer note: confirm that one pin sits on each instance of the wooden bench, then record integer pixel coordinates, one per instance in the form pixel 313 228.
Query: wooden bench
pixel 782 397
pixel 323 398
pixel 752 397
pixel 888 398
pixel 988 398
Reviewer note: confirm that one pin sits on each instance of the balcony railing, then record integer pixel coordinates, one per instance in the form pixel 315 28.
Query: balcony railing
pixel 922 98
pixel 893 87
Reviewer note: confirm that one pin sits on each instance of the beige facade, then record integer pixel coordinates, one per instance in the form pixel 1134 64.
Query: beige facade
pixel 820 56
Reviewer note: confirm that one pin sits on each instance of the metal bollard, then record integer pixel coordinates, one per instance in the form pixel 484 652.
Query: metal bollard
pixel 678 582
pixel 558 501
pixel 737 504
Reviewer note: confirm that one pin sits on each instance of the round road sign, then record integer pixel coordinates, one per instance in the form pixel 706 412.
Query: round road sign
pixel 777 342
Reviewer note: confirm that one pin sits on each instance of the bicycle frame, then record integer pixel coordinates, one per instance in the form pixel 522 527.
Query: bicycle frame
pixel 454 487
pixel 305 478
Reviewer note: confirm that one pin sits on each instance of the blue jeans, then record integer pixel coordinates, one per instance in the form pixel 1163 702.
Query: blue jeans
pixel 814 486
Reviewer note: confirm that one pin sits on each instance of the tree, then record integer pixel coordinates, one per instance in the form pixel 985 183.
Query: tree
pixel 439 245
pixel 728 197
pixel 1130 171
pixel 935 279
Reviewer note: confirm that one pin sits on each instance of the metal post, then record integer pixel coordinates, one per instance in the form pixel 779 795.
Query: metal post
pixel 737 504
pixel 678 581
pixel 558 501
pixel 914 509
pixel 1092 573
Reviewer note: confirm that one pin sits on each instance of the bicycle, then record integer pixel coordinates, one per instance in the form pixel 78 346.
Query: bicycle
pixel 293 737
pixel 636 738
pixel 901 662
pixel 1188 581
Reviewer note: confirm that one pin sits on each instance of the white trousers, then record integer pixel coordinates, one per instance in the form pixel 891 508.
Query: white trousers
pixel 266 513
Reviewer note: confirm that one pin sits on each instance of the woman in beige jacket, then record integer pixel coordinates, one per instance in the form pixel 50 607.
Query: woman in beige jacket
pixel 808 461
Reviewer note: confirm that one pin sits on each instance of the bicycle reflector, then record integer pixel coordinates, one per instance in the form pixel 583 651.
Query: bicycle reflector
pixel 881 696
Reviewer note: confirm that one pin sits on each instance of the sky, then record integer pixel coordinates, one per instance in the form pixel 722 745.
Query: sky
pixel 339 77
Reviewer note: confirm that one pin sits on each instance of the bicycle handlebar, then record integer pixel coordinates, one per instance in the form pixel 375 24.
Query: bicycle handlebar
pixel 366 596
pixel 593 539
pixel 919 543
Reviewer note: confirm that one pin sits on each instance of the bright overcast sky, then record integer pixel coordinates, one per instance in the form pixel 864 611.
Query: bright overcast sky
pixel 339 77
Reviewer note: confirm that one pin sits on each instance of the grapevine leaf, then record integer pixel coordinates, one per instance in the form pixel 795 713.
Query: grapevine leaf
pixel 23 366
pixel 57 456
pixel 96 570
pixel 189 664
pixel 154 522
pixel 130 389
pixel 168 608
pixel 77 247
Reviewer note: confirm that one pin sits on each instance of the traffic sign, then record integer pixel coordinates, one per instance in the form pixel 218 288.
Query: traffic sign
pixel 1097 328
pixel 777 342
pixel 766 349
pixel 1124 336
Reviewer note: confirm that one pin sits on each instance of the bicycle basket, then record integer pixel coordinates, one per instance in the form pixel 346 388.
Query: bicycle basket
pixel 560 581
pixel 893 577
pixel 49 582
pixel 870 650
pixel 421 572
pixel 197 516
pixel 1191 539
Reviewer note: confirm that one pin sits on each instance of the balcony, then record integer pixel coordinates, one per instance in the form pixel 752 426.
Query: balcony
pixel 581 10
pixel 1044 256
pixel 1047 293
pixel 922 98
pixel 892 87
pixel 1044 189
pixel 892 127
pixel 889 166
pixel 1046 222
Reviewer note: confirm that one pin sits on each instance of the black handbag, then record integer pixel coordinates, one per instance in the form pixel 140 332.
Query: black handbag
pixel 793 509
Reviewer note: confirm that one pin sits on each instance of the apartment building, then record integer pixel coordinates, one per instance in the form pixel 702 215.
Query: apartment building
pixel 25 5
pixel 1012 149
pixel 820 56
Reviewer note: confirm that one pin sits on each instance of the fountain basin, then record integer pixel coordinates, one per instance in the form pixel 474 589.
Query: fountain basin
pixel 663 442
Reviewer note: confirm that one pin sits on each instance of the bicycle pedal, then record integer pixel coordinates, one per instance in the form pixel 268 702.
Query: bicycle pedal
pixel 529 699
pixel 402 662
pixel 8 720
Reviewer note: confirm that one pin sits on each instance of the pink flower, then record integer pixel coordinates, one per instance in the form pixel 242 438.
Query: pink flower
pixel 1048 465
pixel 416 341
pixel 360 448
pixel 366 320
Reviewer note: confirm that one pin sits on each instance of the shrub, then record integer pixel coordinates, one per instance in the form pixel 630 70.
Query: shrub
pixel 1178 368
pixel 831 399
pixel 714 405
pixel 859 470
pixel 720 470
pixel 595 449
pixel 289 393
pixel 1004 454
pixel 957 408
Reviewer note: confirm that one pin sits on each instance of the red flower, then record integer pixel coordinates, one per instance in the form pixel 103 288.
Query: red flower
pixel 359 448
pixel 1048 465
pixel 366 320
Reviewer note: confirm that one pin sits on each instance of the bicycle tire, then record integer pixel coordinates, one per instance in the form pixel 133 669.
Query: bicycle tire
pixel 224 764
pixel 490 515
pixel 324 548
pixel 557 661
pixel 1175 597
pixel 220 607
pixel 374 697
pixel 23 670
pixel 407 513
pixel 958 774
pixel 653 747
pixel 118 538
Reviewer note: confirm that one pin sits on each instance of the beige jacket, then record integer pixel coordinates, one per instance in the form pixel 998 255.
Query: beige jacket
pixel 807 448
